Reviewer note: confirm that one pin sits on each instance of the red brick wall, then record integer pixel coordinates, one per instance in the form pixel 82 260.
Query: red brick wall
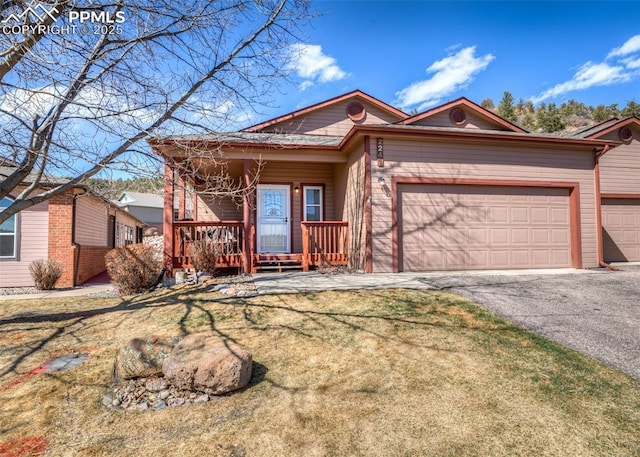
pixel 60 236
pixel 90 262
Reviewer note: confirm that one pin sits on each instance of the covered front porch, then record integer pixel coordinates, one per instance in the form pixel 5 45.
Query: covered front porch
pixel 289 217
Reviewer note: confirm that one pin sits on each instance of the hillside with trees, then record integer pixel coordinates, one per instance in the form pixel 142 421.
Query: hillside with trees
pixel 551 118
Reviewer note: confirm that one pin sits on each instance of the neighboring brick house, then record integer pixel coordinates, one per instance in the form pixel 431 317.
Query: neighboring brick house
pixel 75 228
pixel 146 207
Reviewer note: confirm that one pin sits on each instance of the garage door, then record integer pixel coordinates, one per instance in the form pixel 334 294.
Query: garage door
pixel 445 227
pixel 621 229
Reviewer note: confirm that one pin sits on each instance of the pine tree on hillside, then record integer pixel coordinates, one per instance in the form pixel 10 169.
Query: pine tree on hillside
pixel 506 108
pixel 632 109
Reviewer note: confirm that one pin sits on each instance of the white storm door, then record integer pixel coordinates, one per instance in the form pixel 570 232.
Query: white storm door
pixel 274 229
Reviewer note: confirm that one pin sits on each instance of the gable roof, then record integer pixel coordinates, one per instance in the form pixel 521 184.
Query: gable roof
pixel 326 103
pixel 601 129
pixel 462 101
pixel 6 170
pixel 141 199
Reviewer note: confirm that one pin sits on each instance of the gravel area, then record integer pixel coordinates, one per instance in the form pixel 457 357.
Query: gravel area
pixel 23 290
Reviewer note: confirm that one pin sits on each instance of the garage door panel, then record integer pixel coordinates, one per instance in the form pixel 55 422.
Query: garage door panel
pixel 480 227
pixel 498 214
pixel 540 235
pixel 540 215
pixel 558 216
pixel 455 259
pixel 621 229
pixel 520 236
pixel 540 258
pixel 477 236
pixel 519 215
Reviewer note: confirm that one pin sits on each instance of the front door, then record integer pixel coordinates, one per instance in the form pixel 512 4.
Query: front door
pixel 274 229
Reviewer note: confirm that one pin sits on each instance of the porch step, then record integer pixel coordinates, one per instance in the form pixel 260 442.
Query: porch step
pixel 278 262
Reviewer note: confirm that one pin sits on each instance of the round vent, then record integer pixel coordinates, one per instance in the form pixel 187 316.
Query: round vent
pixel 625 134
pixel 457 116
pixel 356 111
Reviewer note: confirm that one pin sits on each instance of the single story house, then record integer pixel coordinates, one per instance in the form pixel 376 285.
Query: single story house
pixel 354 181
pixel 76 228
pixel 144 206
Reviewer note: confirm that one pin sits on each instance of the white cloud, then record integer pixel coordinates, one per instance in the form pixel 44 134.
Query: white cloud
pixel 588 75
pixel 631 46
pixel 312 65
pixel 621 65
pixel 632 63
pixel 450 74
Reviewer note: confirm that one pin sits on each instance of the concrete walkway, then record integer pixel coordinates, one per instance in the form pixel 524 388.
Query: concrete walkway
pixel 277 283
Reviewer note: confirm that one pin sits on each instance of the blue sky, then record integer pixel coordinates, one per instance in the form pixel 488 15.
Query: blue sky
pixel 418 54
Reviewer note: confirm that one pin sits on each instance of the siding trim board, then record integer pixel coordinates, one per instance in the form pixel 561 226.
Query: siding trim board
pixel 621 196
pixel 574 206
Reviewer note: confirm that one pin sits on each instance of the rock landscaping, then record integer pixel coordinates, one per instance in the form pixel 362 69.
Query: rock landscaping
pixel 157 372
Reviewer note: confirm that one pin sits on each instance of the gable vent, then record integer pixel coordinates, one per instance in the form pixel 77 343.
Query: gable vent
pixel 625 134
pixel 457 116
pixel 356 111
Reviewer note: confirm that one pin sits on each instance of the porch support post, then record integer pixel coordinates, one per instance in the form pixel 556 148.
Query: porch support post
pixel 167 219
pixel 182 196
pixel 246 219
pixel 368 223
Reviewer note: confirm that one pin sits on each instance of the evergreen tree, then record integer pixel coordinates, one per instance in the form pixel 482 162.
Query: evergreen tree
pixel 632 109
pixel 506 108
pixel 487 103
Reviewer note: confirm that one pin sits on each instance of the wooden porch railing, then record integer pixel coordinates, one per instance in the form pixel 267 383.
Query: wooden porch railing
pixel 226 235
pixel 325 243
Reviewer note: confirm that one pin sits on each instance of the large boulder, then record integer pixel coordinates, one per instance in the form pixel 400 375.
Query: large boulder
pixel 143 357
pixel 208 364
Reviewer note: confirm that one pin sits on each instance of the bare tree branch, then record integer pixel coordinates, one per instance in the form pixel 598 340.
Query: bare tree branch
pixel 73 104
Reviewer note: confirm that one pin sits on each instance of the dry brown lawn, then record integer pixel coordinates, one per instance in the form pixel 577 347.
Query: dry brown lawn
pixel 359 373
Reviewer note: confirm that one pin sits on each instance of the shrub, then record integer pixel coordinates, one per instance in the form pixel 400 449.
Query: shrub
pixel 45 273
pixel 204 256
pixel 134 268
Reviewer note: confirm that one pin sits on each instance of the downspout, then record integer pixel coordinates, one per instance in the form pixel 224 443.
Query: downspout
pixel 599 241
pixel 76 264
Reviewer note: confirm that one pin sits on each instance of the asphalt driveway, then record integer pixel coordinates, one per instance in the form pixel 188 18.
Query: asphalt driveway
pixel 596 313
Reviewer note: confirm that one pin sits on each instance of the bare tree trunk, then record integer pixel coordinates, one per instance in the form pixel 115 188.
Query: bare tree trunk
pixel 75 103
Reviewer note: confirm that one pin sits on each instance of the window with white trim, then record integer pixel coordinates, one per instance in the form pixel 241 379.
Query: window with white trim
pixel 312 204
pixel 8 234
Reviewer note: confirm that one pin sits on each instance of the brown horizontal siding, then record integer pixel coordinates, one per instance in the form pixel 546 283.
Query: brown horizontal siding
pixel 218 209
pixel 33 242
pixel 350 205
pixel 473 121
pixel 331 120
pixel 92 217
pixel 411 159
pixel 620 168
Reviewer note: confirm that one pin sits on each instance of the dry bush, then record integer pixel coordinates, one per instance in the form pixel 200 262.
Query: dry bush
pixel 45 273
pixel 204 256
pixel 134 268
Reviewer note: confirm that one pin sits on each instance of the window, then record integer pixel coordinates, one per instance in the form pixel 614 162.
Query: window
pixel 312 203
pixel 124 234
pixel 8 234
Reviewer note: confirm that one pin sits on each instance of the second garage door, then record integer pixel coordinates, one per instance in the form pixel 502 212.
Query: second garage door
pixel 621 229
pixel 446 227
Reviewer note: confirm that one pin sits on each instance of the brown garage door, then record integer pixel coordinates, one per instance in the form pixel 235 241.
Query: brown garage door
pixel 444 227
pixel 621 229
